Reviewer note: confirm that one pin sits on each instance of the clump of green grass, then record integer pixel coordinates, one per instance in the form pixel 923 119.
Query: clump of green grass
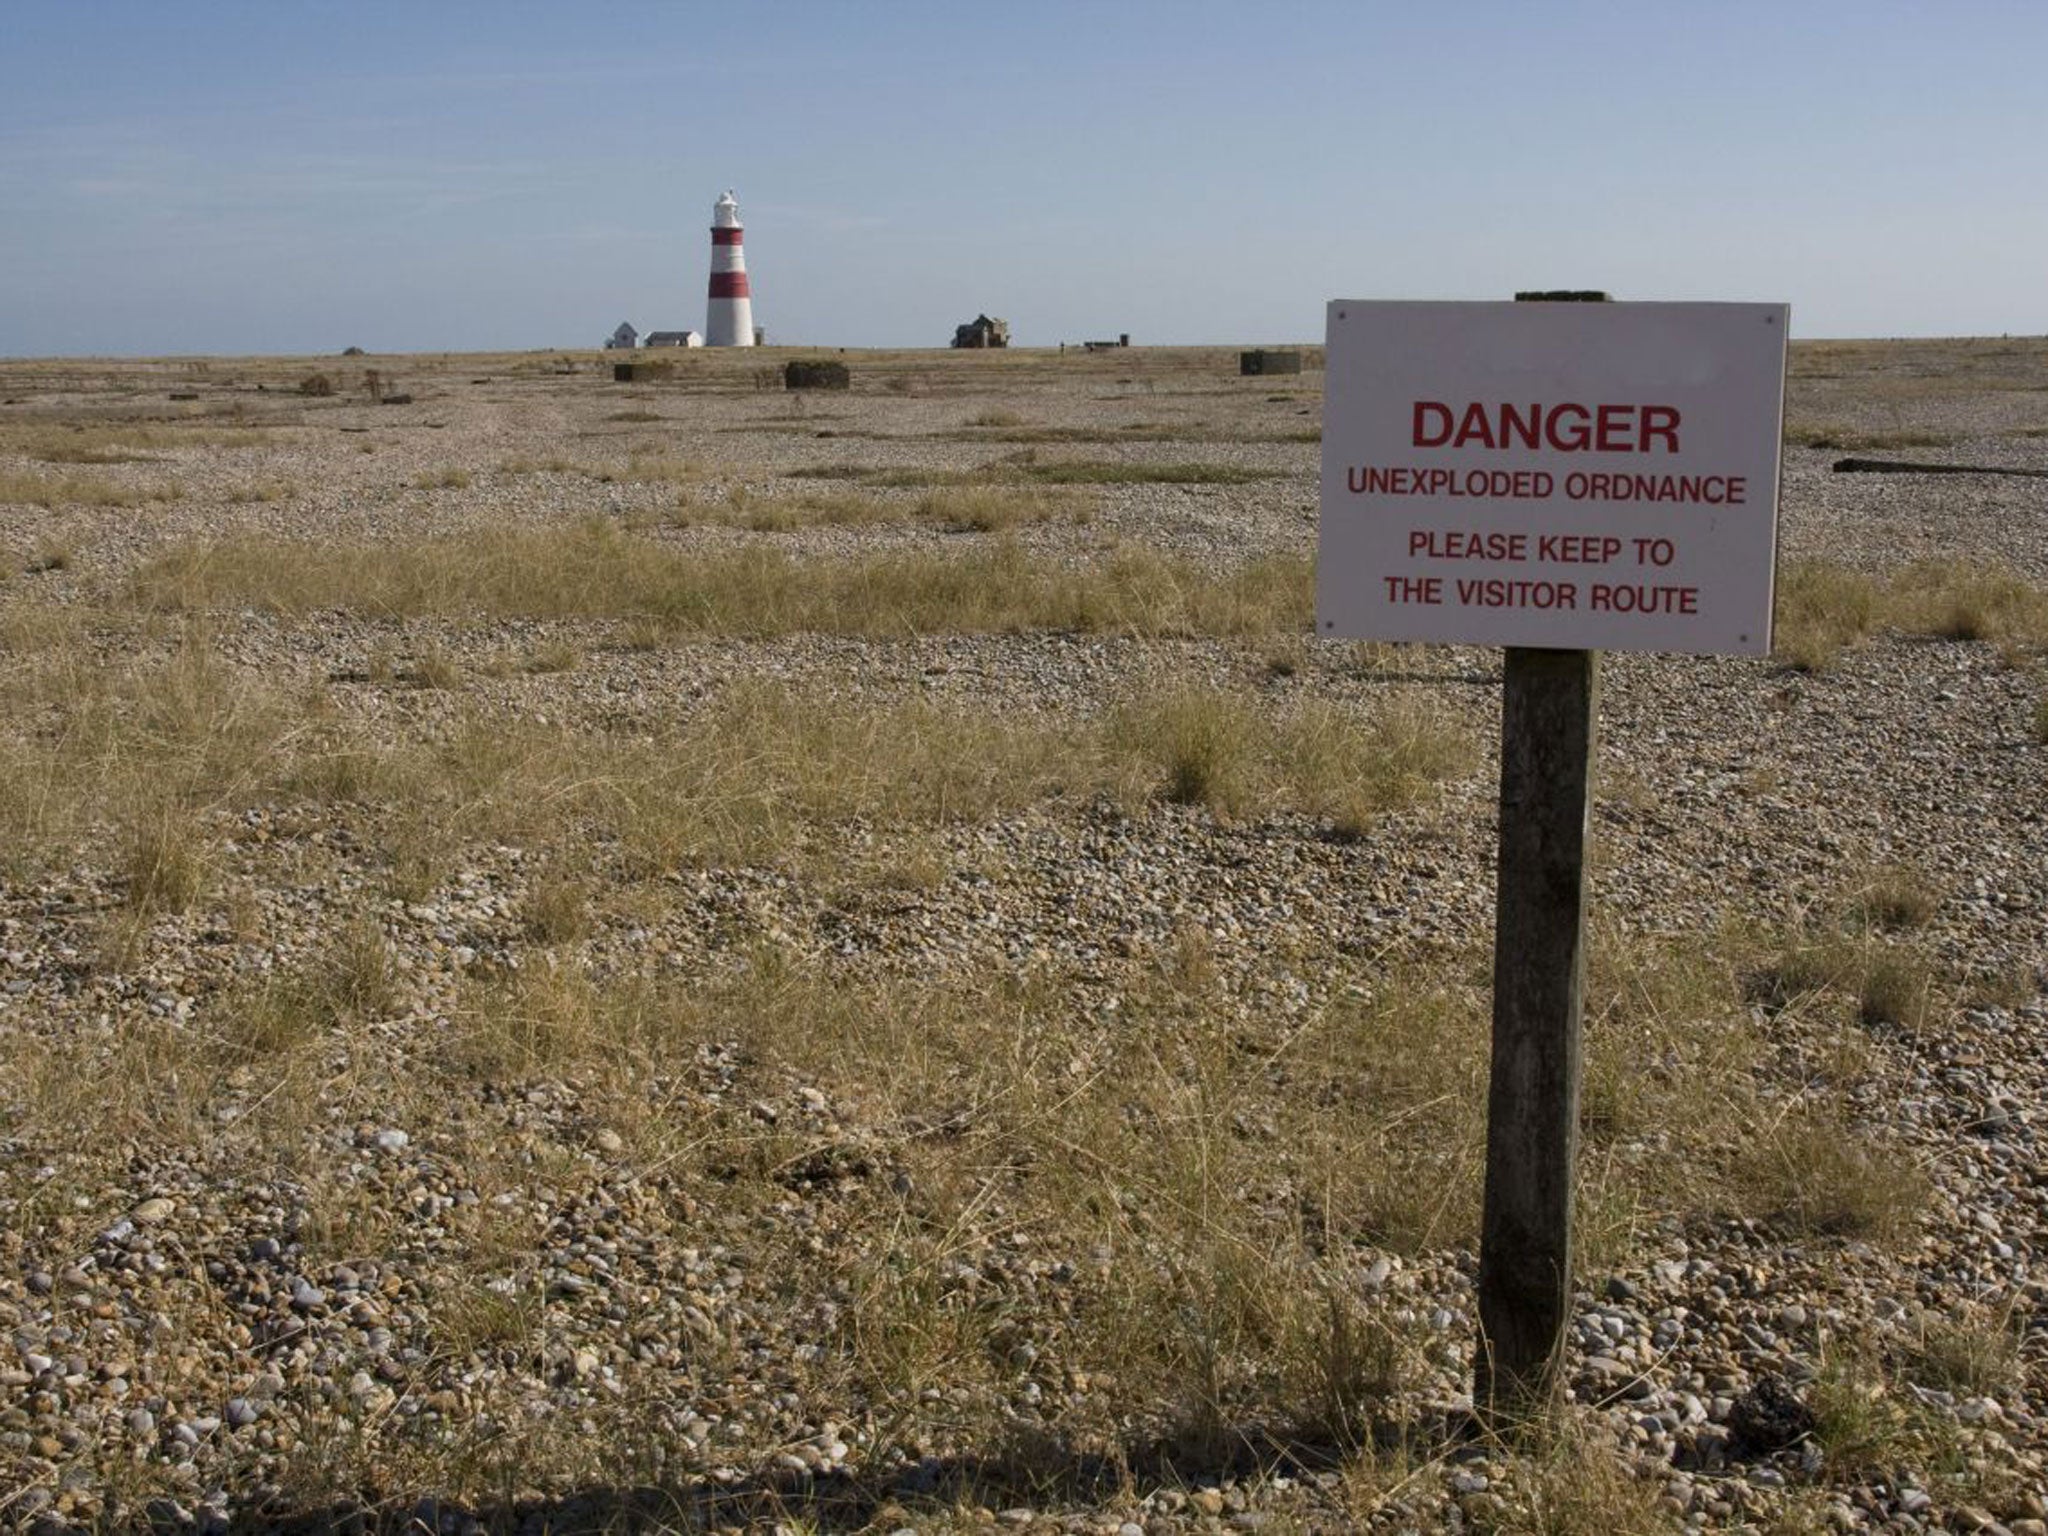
pixel 434 668
pixel 965 508
pixel 1883 984
pixel 888 479
pixel 355 977
pixel 447 478
pixel 1404 1064
pixel 1205 742
pixel 1128 432
pixel 1564 1481
pixel 1857 1423
pixel 1352 767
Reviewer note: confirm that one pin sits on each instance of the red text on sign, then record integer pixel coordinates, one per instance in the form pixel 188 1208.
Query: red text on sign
pixel 1453 544
pixel 1645 599
pixel 1489 592
pixel 1578 548
pixel 1427 590
pixel 1567 428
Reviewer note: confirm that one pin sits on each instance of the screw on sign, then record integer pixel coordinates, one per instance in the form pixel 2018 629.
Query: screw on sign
pixel 1557 478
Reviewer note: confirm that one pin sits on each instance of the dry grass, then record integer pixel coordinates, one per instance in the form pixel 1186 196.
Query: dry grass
pixel 1207 747
pixel 594 570
pixel 1815 1175
pixel 1027 468
pixel 961 509
pixel 1825 608
pixel 1822 609
pixel 1893 898
pixel 548 466
pixel 654 469
pixel 262 491
pixel 76 491
pixel 163 862
pixel 164 746
pixel 1951 600
pixel 1869 1423
pixel 120 442
pixel 1972 1351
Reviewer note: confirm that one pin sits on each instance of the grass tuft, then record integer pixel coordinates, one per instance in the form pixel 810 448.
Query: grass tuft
pixel 1893 899
pixel 1816 1175
pixel 1822 609
pixel 164 862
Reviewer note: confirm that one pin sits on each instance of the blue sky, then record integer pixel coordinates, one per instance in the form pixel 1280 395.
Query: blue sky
pixel 298 177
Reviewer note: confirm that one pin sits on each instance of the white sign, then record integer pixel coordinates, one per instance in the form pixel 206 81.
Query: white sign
pixel 1577 476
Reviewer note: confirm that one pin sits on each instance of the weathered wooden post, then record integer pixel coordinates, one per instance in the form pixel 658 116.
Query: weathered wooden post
pixel 1539 966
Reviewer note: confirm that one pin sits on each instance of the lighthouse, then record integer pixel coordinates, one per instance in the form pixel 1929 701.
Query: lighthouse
pixel 729 320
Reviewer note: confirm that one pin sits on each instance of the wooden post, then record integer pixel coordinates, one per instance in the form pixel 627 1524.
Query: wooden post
pixel 1539 964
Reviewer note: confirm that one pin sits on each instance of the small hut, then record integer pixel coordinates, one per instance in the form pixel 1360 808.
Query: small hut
pixel 981 331
pixel 624 339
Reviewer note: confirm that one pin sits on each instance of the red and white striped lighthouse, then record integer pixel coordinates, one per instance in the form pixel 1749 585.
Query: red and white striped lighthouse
pixel 729 321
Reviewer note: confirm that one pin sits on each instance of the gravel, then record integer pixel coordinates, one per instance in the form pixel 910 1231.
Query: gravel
pixel 183 1336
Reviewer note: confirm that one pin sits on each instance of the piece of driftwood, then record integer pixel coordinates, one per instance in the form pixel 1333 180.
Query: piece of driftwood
pixel 1901 467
